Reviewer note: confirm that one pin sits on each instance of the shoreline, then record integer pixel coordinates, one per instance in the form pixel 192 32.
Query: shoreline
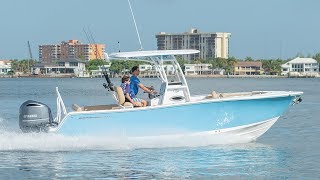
pixel 187 76
pixel 235 76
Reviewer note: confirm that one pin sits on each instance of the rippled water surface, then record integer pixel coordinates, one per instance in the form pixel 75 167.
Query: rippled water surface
pixel 290 149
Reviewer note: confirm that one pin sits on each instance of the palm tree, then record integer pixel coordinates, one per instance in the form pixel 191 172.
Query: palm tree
pixel 317 57
pixel 248 59
pixel 267 66
pixel 230 65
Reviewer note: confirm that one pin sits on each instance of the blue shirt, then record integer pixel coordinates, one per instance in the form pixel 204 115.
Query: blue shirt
pixel 134 81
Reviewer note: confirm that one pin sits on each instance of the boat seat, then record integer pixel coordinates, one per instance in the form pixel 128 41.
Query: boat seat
pixel 76 107
pixel 214 95
pixel 226 95
pixel 100 107
pixel 121 98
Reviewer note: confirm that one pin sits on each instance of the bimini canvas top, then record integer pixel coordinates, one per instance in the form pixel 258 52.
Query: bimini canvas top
pixel 136 54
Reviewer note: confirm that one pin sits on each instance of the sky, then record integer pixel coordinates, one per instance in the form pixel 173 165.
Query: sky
pixel 261 29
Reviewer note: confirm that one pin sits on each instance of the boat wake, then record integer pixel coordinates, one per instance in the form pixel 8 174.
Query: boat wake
pixel 18 141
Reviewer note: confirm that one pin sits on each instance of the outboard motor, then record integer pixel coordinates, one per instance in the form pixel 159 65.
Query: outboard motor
pixel 34 116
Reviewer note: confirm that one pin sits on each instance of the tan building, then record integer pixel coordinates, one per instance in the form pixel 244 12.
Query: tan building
pixel 248 68
pixel 72 49
pixel 211 45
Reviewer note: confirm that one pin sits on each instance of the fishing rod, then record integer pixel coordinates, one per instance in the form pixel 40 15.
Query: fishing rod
pixel 109 85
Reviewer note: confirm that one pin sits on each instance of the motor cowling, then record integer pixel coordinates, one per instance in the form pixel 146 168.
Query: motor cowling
pixel 34 116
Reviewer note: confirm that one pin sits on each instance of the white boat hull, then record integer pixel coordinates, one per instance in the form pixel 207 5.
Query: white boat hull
pixel 242 134
pixel 249 132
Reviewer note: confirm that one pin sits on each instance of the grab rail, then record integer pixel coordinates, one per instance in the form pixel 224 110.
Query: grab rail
pixel 61 108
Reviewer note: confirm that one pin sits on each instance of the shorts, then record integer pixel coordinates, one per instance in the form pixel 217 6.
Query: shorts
pixel 134 100
pixel 137 100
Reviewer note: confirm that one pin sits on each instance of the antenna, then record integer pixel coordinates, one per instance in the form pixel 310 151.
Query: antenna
pixel 29 47
pixel 30 53
pixel 135 24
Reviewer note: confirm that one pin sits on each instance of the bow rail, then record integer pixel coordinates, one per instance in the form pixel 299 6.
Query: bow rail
pixel 61 108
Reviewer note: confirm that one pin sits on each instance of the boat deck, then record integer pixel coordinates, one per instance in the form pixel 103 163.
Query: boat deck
pixel 213 95
pixel 95 108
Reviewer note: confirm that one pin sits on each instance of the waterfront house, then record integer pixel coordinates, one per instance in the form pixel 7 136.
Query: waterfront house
pixel 197 69
pixel 102 69
pixel 190 69
pixel 145 68
pixel 169 68
pixel 300 67
pixel 218 71
pixel 248 68
pixel 148 70
pixel 5 67
pixel 72 67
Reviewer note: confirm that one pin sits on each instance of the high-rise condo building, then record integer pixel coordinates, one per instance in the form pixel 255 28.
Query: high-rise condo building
pixel 211 45
pixel 73 49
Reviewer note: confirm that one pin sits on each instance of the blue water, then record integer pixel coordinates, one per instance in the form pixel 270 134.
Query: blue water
pixel 289 150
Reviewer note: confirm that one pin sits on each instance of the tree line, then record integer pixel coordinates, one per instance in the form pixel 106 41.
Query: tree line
pixel 270 66
pixel 21 65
